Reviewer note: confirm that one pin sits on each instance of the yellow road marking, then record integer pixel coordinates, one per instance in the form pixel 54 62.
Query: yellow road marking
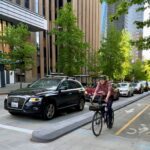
pixel 132 120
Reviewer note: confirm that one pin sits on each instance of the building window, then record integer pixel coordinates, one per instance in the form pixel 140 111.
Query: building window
pixel 69 1
pixel 26 4
pixel 50 10
pixel 60 3
pixel 18 2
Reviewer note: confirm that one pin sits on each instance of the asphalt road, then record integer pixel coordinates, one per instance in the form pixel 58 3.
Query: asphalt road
pixel 16 130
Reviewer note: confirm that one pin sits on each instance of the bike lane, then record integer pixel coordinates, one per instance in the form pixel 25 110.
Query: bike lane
pixel 138 127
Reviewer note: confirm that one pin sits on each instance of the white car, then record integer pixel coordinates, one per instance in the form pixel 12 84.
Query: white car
pixel 126 89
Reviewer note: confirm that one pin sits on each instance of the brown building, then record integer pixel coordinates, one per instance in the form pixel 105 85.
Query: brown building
pixel 39 16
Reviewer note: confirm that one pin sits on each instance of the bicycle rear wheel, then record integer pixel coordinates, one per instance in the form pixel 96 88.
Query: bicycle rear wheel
pixel 97 123
pixel 110 121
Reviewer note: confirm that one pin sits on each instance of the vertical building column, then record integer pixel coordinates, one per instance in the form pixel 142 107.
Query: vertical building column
pixel 22 3
pixel 91 25
pixel 80 15
pixel 41 43
pixel 14 1
pixel 53 8
pixel 32 5
pixel 31 75
pixel 64 1
pixel 98 14
pixel 94 25
pixel 74 3
pixel 47 9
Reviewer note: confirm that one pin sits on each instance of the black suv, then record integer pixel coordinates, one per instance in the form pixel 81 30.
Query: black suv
pixel 46 96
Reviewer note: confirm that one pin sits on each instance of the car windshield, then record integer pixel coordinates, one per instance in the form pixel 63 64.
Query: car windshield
pixel 123 85
pixel 134 84
pixel 51 84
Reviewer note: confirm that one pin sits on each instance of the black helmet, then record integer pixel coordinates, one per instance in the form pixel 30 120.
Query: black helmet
pixel 103 77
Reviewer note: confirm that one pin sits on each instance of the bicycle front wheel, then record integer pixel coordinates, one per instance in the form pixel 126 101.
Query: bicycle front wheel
pixel 97 123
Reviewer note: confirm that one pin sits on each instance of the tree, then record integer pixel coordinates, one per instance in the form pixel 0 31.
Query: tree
pixel 21 51
pixel 93 65
pixel 138 71
pixel 142 43
pixel 114 54
pixel 147 69
pixel 69 41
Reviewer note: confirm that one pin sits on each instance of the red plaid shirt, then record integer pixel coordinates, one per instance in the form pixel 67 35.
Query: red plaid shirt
pixel 103 87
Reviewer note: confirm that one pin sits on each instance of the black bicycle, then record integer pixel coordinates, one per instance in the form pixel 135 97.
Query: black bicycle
pixel 101 116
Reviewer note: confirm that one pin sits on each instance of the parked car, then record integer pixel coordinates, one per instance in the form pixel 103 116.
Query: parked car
pixel 116 92
pixel 138 87
pixel 145 85
pixel 46 96
pixel 126 89
pixel 149 86
pixel 89 91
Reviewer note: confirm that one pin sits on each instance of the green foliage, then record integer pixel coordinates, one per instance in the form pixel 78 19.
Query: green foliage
pixel 21 51
pixel 123 9
pixel 69 40
pixel 93 65
pixel 147 69
pixel 138 71
pixel 114 54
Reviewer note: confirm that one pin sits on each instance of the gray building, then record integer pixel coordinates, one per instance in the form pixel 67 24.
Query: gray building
pixel 120 23
pixel 13 12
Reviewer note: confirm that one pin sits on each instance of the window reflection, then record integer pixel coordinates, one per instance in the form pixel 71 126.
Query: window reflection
pixel 26 3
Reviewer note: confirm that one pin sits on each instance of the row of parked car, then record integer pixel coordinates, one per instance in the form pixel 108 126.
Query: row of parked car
pixel 48 95
pixel 122 89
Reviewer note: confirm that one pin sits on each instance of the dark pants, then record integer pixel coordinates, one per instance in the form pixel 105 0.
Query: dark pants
pixel 109 106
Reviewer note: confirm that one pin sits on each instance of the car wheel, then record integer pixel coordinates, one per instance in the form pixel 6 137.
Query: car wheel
pixel 81 104
pixel 49 111
pixel 129 94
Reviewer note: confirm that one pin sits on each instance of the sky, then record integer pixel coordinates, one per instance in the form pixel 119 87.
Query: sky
pixel 146 54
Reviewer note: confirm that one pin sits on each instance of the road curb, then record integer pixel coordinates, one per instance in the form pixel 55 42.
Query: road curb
pixel 47 135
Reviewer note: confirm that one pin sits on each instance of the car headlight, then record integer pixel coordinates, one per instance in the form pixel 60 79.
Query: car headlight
pixel 35 99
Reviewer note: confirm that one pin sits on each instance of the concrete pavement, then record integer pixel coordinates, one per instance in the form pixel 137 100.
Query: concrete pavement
pixel 51 133
pixel 48 134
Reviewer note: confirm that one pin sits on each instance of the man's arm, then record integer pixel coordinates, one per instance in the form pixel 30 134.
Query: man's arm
pixel 97 87
pixel 109 92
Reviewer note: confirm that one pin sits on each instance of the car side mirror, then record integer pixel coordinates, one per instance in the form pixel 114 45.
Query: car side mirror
pixel 28 85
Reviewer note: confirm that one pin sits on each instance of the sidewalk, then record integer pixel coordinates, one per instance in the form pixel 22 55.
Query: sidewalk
pixel 10 87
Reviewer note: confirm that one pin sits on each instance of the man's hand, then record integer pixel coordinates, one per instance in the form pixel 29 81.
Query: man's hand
pixel 93 97
pixel 106 100
pixel 102 92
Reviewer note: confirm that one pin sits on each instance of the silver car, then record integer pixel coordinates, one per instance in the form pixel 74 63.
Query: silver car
pixel 126 89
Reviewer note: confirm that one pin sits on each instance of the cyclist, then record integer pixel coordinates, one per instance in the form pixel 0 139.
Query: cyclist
pixel 104 89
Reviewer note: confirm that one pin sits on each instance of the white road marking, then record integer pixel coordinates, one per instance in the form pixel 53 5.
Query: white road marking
pixel 129 111
pixel 143 128
pixel 28 131
pixel 132 131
